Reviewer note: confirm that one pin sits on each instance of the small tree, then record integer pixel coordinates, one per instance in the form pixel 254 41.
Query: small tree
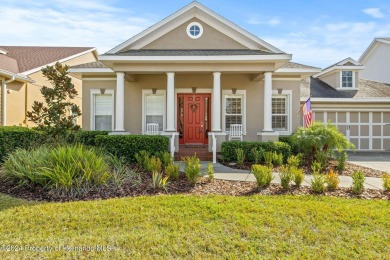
pixel 57 113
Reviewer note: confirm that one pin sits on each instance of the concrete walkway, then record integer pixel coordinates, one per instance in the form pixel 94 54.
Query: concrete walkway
pixel 225 173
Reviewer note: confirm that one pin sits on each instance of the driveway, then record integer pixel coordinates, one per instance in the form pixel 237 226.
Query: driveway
pixel 375 160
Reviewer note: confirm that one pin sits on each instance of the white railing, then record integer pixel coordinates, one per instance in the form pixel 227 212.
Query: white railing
pixel 214 148
pixel 152 129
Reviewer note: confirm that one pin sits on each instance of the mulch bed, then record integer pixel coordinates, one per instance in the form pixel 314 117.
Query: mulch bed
pixel 349 168
pixel 203 187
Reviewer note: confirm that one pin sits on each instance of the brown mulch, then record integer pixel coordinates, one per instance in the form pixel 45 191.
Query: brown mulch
pixel 349 168
pixel 182 186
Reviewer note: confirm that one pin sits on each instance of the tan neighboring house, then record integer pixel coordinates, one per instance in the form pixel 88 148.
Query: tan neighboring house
pixel 360 108
pixel 194 75
pixel 21 77
pixel 376 59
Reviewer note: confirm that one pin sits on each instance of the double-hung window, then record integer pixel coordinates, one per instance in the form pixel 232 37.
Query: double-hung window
pixel 233 109
pixel 347 79
pixel 154 109
pixel 102 110
pixel 281 112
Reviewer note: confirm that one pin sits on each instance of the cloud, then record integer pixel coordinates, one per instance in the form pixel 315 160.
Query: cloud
pixel 373 12
pixel 257 21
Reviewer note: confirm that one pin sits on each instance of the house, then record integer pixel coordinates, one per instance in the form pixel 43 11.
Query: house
pixel 376 59
pixel 360 108
pixel 21 77
pixel 193 75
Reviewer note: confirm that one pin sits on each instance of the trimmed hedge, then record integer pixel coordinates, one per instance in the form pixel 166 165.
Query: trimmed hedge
pixel 288 140
pixel 17 137
pixel 127 146
pixel 84 137
pixel 228 149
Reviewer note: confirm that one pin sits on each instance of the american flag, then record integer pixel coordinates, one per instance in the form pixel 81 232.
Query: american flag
pixel 307 113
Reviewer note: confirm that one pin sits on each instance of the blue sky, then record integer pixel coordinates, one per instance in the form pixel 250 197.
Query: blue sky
pixel 316 32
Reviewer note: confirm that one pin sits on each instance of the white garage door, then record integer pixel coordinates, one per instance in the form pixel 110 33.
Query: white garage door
pixel 367 130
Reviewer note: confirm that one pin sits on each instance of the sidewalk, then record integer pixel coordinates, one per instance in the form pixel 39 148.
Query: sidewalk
pixel 225 173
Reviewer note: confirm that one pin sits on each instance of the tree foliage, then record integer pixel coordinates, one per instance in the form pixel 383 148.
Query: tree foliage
pixel 57 113
pixel 320 138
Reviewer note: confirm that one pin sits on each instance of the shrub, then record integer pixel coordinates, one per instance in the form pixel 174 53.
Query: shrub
pixel 289 140
pixel 228 149
pixel 121 174
pixel 294 160
pixel 263 175
pixel 210 171
pixel 127 146
pixel 257 153
pixel 84 137
pixel 341 158
pixel 165 158
pixel 332 180
pixel 69 171
pixel 277 158
pixel 316 167
pixel 158 182
pixel 297 174
pixel 192 168
pixel 154 164
pixel 386 181
pixel 357 182
pixel 285 177
pixel 322 158
pixel 142 159
pixel 318 183
pixel 268 156
pixel 172 171
pixel 240 155
pixel 319 137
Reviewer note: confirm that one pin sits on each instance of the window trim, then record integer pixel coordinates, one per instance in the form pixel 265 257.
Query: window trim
pixel 200 32
pixel 229 93
pixel 288 94
pixel 353 80
pixel 94 92
pixel 147 92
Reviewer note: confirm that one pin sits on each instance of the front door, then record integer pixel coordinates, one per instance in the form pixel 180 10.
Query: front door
pixel 194 118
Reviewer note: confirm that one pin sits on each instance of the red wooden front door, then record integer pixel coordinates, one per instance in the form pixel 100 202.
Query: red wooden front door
pixel 195 118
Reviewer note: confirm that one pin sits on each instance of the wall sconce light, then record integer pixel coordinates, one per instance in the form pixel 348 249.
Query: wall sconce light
pixel 234 91
pixel 9 91
pixel 154 91
pixel 193 90
pixel 102 91
pixel 280 91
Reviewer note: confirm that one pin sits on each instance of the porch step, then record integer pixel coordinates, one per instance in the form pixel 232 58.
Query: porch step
pixel 201 152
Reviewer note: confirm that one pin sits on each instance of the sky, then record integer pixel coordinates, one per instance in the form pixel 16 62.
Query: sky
pixel 317 32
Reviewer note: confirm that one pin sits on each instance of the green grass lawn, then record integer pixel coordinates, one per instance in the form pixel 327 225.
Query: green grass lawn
pixel 199 227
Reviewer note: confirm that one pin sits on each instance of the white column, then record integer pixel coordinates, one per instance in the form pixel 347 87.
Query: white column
pixel 267 102
pixel 170 102
pixel 3 103
pixel 120 102
pixel 216 103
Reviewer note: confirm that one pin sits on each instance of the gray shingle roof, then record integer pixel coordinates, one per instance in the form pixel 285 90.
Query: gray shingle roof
pixel 294 65
pixel 91 65
pixel 191 52
pixel 316 88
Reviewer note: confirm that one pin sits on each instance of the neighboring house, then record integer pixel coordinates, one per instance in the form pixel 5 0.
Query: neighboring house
pixel 376 59
pixel 21 77
pixel 194 74
pixel 360 108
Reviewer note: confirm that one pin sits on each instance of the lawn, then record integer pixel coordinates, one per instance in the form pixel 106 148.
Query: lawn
pixel 184 226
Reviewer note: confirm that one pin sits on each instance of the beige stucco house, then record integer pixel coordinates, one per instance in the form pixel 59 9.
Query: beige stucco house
pixel 376 59
pixel 21 77
pixel 194 74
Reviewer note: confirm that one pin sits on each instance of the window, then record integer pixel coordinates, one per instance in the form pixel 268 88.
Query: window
pixel 153 109
pixel 102 112
pixel 347 79
pixel 194 30
pixel 279 113
pixel 234 109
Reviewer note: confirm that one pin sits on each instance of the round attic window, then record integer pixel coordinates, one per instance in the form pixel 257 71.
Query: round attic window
pixel 194 30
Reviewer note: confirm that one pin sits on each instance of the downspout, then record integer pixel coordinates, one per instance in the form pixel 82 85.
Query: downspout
pixel 4 100
pixel 25 105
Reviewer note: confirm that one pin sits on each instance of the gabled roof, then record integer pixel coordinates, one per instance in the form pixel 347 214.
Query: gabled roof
pixel 194 9
pixel 207 52
pixel 32 58
pixel 346 64
pixel 372 47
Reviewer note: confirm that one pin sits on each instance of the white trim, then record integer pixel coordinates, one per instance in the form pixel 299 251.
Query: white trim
pixel 229 93
pixel 94 92
pixel 297 70
pixel 154 34
pixel 159 92
pixel 17 76
pixel 285 79
pixel 98 79
pixel 90 70
pixel 348 100
pixel 231 58
pixel 339 68
pixel 353 80
pixel 351 109
pixel 200 30
pixel 60 61
pixel 288 94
